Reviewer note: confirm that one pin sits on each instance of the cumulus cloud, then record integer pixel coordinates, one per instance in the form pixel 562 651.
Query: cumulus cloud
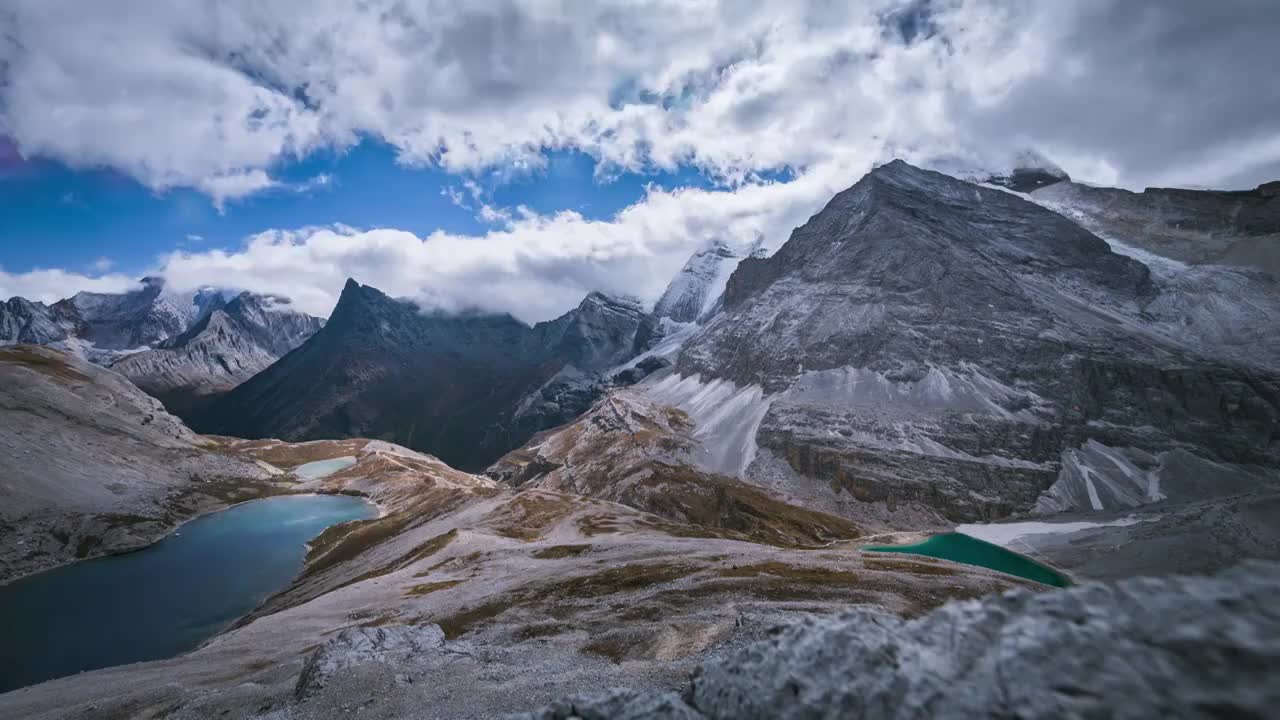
pixel 212 94
pixel 534 266
pixel 216 95
pixel 50 286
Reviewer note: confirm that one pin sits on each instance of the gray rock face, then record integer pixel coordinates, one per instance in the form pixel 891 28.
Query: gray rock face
pixel 398 644
pixel 23 321
pixel 227 346
pixel 1194 226
pixel 199 343
pixel 617 704
pixel 698 285
pixel 1148 647
pixel 102 327
pixel 444 384
pixel 140 317
pixel 927 341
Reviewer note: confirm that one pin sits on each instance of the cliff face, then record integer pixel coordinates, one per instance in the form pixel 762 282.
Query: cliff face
pixel 928 342
pixel 1199 227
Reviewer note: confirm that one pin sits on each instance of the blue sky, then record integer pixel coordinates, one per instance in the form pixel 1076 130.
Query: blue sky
pixel 53 216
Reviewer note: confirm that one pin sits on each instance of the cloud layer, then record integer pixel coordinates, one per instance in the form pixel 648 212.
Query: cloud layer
pixel 216 96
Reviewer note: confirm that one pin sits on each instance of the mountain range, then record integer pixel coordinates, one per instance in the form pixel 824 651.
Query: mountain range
pixel 183 348
pixel 624 497
pixel 445 384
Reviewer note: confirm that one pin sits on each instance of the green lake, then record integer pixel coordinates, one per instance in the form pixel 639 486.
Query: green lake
pixel 972 551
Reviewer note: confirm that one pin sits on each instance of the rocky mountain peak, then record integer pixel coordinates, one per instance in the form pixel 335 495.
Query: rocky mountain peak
pixel 903 229
pixel 694 290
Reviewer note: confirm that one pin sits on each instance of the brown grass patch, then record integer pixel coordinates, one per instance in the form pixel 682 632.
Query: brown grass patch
pixel 614 646
pixel 800 573
pixel 428 588
pixel 541 630
pixel 528 515
pixel 908 566
pixel 720 504
pixel 455 562
pixel 44 361
pixel 555 552
pixel 624 578
pixel 289 455
pixel 460 623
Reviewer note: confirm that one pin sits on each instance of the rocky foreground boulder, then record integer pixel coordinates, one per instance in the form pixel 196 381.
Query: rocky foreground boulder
pixel 1146 647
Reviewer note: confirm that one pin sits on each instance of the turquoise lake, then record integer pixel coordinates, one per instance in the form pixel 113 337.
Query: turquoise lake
pixel 164 599
pixel 972 551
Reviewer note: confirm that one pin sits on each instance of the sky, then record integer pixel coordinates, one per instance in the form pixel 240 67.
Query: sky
pixel 512 156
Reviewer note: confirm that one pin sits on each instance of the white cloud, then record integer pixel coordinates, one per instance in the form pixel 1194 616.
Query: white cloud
pixel 232 185
pixel 534 266
pixel 210 95
pixel 50 286
pixel 215 95
pixel 102 264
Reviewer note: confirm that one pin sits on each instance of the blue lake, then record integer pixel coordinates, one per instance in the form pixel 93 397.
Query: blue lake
pixel 164 599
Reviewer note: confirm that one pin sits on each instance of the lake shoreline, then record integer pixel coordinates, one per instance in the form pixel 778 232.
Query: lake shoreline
pixel 167 598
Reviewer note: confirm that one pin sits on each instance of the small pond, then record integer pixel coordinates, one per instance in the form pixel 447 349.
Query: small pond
pixel 323 468
pixel 164 599
pixel 971 551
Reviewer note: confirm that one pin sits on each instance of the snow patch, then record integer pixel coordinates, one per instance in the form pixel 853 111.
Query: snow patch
pixel 726 418
pixel 1005 534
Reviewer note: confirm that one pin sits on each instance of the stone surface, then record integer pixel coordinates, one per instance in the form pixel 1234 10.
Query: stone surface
pixel 928 342
pixel 1199 227
pixel 1196 647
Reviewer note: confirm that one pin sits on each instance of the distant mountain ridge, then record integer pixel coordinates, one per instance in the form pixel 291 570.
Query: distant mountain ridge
pixel 179 347
pixel 441 383
pixel 228 345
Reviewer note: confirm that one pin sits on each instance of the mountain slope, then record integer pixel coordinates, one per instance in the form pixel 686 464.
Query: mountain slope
pixel 103 327
pixel 443 384
pixel 140 317
pixel 23 321
pixel 927 342
pixel 89 463
pixel 1240 228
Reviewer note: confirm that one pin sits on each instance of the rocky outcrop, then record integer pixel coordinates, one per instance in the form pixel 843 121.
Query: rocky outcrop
pixel 924 341
pixel 352 647
pixel 630 450
pixel 1240 228
pixel 1168 647
pixel 23 321
pixel 103 327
